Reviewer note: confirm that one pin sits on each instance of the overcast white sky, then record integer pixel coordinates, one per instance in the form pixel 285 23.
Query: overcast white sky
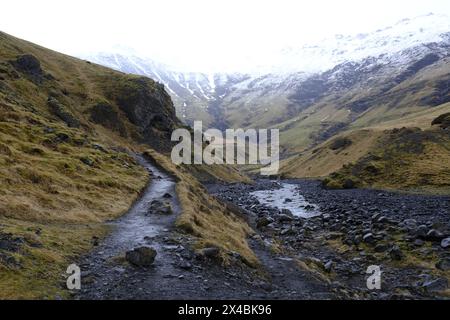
pixel 199 34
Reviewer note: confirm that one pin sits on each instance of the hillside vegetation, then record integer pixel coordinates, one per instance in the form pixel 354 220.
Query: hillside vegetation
pixel 408 158
pixel 67 131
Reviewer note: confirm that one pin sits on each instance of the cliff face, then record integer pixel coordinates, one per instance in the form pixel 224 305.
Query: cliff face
pixel 146 105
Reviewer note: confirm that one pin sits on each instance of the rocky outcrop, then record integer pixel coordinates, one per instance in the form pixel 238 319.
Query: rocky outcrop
pixel 443 121
pixel 30 66
pixel 148 106
pixel 61 112
pixel 105 114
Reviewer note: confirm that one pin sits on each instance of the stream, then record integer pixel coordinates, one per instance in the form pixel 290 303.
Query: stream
pixel 287 197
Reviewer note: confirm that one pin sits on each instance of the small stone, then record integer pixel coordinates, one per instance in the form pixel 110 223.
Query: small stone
pixel 443 264
pixel 445 244
pixel 328 267
pixel 211 252
pixel 437 285
pixel 263 222
pixel 396 254
pixel 434 235
pixel 185 265
pixel 286 212
pixel 381 248
pixel 285 217
pixel 368 238
pixel 382 219
pixel 421 231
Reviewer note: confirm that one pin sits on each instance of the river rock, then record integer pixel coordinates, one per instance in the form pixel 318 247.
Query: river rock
pixel 381 248
pixel 434 235
pixel 263 222
pixel 328 267
pixel 161 208
pixel 286 212
pixel 141 257
pixel 437 285
pixel 421 231
pixel 284 217
pixel 368 238
pixel 211 252
pixel 445 244
pixel 396 254
pixel 443 264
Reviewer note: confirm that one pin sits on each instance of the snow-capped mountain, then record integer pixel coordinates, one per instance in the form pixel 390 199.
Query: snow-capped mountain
pixel 329 52
pixel 300 76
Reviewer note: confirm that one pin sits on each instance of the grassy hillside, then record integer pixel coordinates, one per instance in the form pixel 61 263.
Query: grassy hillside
pixel 66 129
pixel 403 159
pixel 409 158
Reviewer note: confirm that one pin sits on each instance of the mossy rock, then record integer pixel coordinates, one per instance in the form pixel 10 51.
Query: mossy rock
pixel 106 115
pixel 340 143
pixel 61 112
pixel 443 121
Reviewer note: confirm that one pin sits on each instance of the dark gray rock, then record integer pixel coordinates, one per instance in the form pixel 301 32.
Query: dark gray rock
pixel 141 257
pixel 62 112
pixel 381 248
pixel 211 252
pixel 285 217
pixel 161 208
pixel 396 254
pixel 436 285
pixel 434 235
pixel 421 231
pixel 445 243
pixel 369 238
pixel 263 222
pixel 443 264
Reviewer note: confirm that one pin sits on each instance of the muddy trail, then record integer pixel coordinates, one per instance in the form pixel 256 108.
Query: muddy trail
pixel 178 272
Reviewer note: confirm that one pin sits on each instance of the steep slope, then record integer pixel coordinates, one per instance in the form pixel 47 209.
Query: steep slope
pixel 67 128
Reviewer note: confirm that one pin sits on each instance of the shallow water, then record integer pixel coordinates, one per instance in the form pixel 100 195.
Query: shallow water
pixel 278 199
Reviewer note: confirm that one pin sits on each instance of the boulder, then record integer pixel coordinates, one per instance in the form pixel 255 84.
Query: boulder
pixel 141 257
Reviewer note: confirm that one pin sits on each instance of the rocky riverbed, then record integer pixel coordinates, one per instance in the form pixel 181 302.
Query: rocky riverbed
pixel 406 236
